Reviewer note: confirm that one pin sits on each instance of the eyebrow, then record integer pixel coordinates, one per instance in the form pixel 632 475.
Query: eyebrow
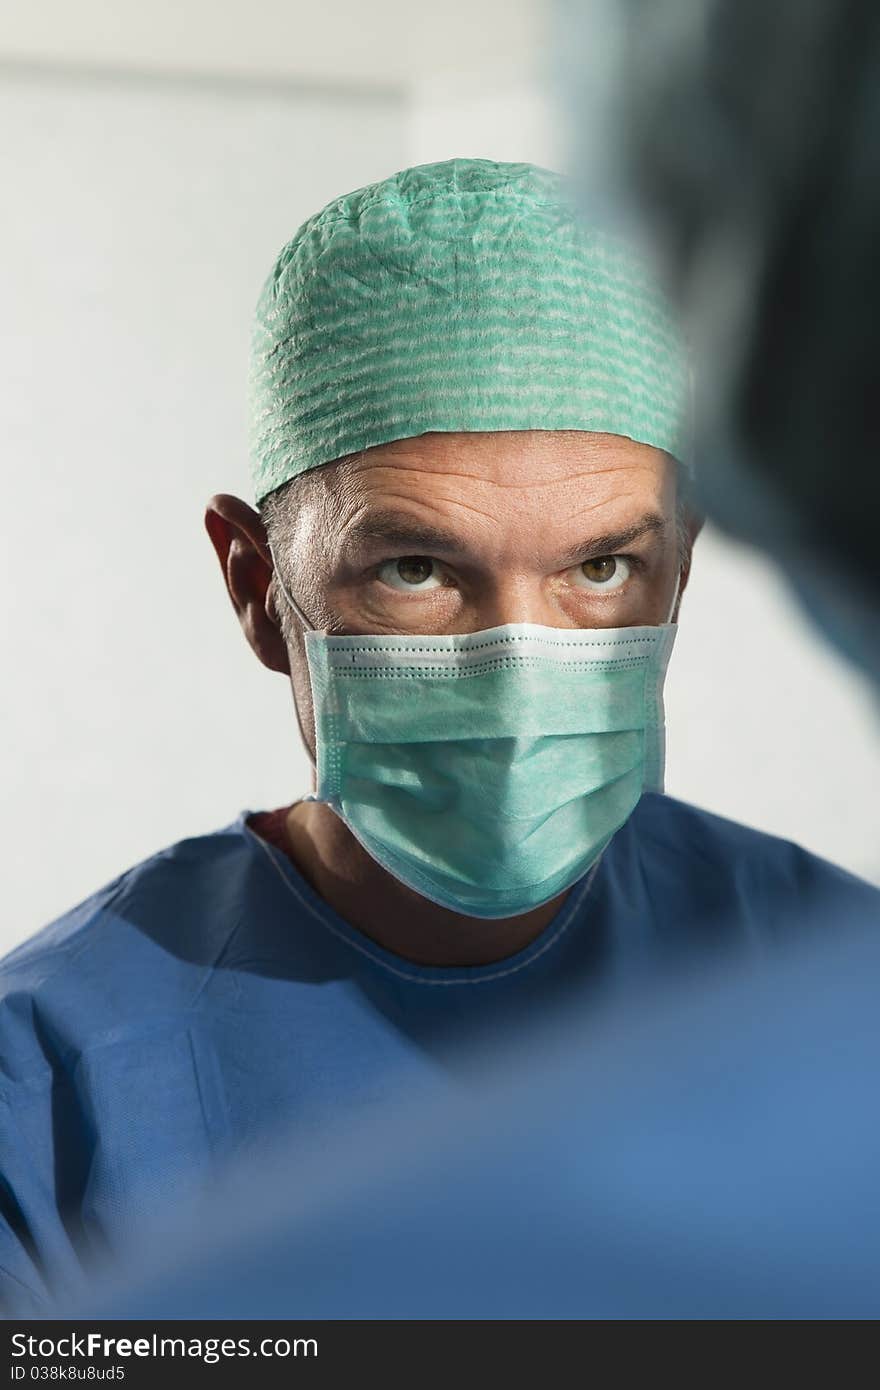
pixel 613 541
pixel 399 530
pixel 411 537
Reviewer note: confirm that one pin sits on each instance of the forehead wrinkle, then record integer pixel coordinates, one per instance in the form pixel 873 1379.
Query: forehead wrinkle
pixel 469 454
pixel 436 442
pixel 420 502
pixel 398 527
pixel 421 476
pixel 352 497
pixel 468 507
pixel 614 499
pixel 526 483
pixel 343 485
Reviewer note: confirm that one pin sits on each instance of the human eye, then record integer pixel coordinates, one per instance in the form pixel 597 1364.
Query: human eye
pixel 411 574
pixel 603 573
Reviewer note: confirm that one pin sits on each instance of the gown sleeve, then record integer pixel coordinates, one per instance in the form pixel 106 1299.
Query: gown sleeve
pixel 40 1157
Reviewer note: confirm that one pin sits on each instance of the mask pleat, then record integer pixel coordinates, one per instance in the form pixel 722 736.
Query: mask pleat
pixel 489 786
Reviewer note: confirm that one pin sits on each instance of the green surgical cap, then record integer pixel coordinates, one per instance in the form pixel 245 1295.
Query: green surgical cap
pixel 466 295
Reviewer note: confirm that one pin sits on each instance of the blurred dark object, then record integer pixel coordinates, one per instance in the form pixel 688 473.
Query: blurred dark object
pixel 747 137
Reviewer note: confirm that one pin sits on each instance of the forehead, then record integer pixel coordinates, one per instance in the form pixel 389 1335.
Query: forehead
pixel 526 460
pixel 503 494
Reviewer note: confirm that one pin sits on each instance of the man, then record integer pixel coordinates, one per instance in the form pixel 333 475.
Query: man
pixel 469 435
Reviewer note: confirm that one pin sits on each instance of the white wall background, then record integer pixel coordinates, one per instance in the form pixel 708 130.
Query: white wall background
pixel 144 218
pixel 147 190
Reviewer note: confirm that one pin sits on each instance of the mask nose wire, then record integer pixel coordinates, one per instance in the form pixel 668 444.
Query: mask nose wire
pixel 290 599
pixel 675 596
pixel 309 627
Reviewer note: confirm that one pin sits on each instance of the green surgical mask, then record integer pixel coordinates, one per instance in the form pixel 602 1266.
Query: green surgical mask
pixel 488 770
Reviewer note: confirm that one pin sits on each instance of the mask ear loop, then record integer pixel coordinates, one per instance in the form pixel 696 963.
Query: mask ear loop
pixel 309 627
pixel 290 599
pixel 674 597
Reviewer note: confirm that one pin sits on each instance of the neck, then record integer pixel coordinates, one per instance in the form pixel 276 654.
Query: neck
pixel 392 915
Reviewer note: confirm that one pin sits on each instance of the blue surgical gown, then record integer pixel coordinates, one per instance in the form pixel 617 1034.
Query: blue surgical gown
pixel 208 995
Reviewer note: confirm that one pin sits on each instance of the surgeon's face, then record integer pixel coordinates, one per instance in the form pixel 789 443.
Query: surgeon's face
pixel 452 533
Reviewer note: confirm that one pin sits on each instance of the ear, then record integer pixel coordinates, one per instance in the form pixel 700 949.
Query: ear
pixel 239 538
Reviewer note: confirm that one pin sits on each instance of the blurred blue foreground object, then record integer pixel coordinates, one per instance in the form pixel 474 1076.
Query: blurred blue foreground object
pixel 710 1151
pixel 209 996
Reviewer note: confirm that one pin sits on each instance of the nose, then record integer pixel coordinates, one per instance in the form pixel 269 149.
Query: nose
pixel 519 601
